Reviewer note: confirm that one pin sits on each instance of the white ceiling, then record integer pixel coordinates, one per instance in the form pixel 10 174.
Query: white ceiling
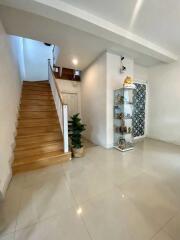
pixel 85 40
pixel 73 43
pixel 155 20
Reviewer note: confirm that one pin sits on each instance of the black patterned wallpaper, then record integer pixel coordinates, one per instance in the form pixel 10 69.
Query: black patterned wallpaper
pixel 139 100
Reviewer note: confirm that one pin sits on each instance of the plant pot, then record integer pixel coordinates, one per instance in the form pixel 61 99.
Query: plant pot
pixel 78 152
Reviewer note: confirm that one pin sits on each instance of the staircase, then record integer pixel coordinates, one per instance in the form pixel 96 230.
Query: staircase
pixel 39 142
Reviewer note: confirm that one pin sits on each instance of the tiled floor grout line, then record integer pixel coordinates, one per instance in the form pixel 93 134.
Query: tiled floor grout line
pixel 84 223
pixel 162 227
pixel 81 217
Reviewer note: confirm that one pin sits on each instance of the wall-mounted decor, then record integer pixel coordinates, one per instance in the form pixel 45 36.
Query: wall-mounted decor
pixel 139 100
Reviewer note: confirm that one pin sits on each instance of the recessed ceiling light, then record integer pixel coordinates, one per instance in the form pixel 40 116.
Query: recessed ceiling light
pixel 75 61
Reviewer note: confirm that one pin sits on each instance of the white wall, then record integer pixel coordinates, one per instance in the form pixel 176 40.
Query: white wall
pixel 164 101
pixel 67 86
pixel 10 89
pixel 115 81
pixel 99 81
pixel 18 52
pixel 140 74
pixel 36 55
pixel 93 92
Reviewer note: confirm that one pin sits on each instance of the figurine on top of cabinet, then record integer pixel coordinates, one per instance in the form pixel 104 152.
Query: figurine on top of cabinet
pixel 129 83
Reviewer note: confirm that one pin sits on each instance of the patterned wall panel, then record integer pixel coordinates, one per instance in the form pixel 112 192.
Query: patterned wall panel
pixel 139 100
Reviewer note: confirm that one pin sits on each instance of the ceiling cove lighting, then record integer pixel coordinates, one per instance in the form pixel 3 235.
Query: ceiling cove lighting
pixel 75 61
pixel 136 11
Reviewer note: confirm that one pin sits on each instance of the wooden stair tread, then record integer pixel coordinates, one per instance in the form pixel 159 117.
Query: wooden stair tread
pixel 21 154
pixel 22 141
pixel 33 108
pixel 37 122
pixel 36 97
pixel 33 131
pixel 42 144
pixel 40 157
pixel 38 102
pixel 41 163
pixel 37 88
pixel 41 135
pixel 36 114
pixel 35 93
pixel 36 83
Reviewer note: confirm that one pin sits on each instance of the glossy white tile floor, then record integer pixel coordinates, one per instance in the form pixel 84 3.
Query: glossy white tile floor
pixel 104 195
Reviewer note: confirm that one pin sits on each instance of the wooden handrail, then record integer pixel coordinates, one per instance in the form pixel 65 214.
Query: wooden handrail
pixel 59 93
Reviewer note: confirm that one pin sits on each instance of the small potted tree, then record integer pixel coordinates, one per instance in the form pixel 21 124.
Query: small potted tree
pixel 75 130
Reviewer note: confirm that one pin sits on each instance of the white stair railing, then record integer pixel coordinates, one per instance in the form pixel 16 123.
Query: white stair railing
pixel 61 108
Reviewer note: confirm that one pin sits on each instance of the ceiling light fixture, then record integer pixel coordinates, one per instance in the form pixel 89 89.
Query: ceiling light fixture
pixel 75 61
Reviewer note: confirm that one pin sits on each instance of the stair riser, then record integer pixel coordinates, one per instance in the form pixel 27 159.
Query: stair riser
pixel 21 154
pixel 38 108
pixel 37 115
pixel 41 164
pixel 36 93
pixel 37 123
pixel 36 97
pixel 47 137
pixel 37 103
pixel 25 147
pixel 30 132
pixel 37 88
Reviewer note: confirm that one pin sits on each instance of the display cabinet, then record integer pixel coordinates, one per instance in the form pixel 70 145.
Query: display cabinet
pixel 123 116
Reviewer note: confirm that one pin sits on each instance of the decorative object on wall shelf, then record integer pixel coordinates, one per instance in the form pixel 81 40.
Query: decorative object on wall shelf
pixel 122 67
pixel 121 115
pixel 129 130
pixel 123 129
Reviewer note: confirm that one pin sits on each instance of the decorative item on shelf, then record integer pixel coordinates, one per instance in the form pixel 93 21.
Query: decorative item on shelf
pixel 117 129
pixel 129 83
pixel 75 128
pixel 122 143
pixel 128 116
pixel 123 129
pixel 121 115
pixel 129 130
pixel 118 98
pixel 121 101
pixel 122 67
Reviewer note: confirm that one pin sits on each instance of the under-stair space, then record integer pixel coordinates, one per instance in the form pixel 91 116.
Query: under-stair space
pixel 39 142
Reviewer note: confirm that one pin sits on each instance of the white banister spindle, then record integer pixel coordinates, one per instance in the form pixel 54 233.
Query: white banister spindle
pixel 65 123
pixel 61 108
